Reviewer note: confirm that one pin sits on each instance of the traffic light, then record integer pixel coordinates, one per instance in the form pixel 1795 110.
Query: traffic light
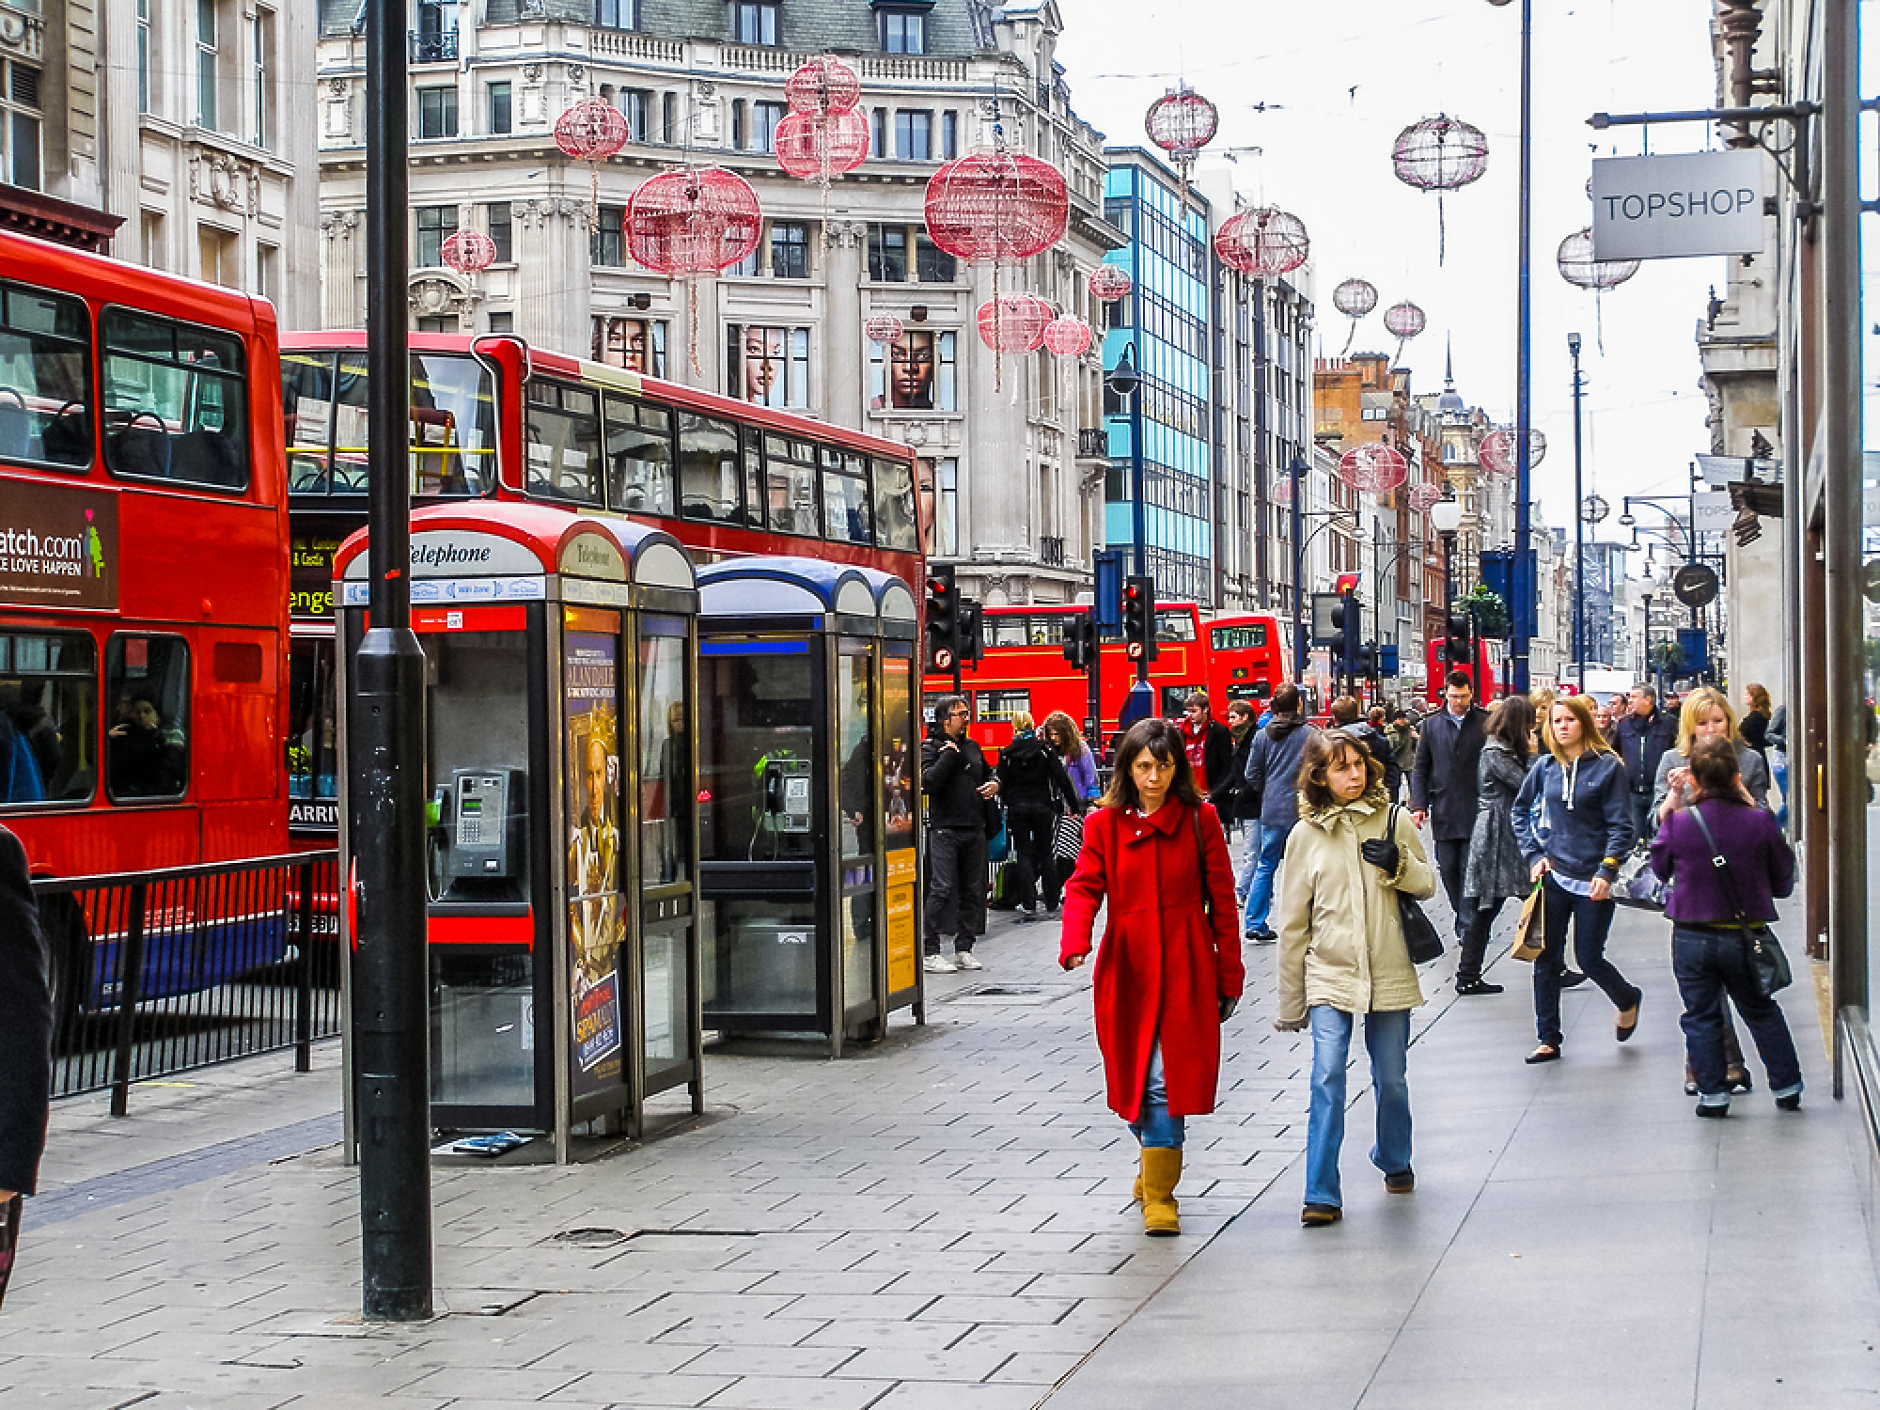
pixel 1080 641
pixel 1456 650
pixel 971 639
pixel 943 622
pixel 1344 625
pixel 1139 618
pixel 1367 660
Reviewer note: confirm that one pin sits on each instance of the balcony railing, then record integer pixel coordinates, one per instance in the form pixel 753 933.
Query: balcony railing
pixel 1050 551
pixel 433 48
pixel 1093 443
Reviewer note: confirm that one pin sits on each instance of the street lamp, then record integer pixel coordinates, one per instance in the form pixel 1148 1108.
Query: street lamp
pixel 1446 518
pixel 1646 598
pixel 1579 523
pixel 1125 381
pixel 1298 470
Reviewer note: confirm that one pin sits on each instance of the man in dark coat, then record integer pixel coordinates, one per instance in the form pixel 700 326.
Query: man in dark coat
pixel 25 1045
pixel 959 787
pixel 1642 738
pixel 1443 787
pixel 1205 740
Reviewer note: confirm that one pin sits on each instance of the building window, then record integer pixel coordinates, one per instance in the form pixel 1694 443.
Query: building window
pixel 616 14
pixel 501 111
pixel 433 224
pixel 878 133
pixel 944 532
pixel 219 257
pixel 637 344
pixel 913 135
pixel 437 323
pixel 207 60
pixel 264 61
pixel 755 21
pixel 19 137
pixel 737 124
pixel 887 253
pixel 437 112
pixel 143 56
pixel 916 372
pixel 903 32
pixel 267 272
pixel 789 250
pixel 745 268
pixel 764 120
pixel 934 265
pixel 669 117
pixel 949 135
pixel 637 105
pixel 606 248
pixel 500 232
pixel 504 322
pixel 150 230
pixel 768 366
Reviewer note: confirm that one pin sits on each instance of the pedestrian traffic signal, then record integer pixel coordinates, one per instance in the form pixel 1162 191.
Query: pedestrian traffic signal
pixel 943 622
pixel 1139 618
pixel 971 638
pixel 1456 649
pixel 1080 641
pixel 1344 622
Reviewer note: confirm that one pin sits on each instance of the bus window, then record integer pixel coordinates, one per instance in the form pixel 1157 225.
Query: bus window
pixel 753 478
pixel 175 403
pixel 895 525
pixel 639 457
pixel 307 413
pixel 998 706
pixel 453 425
pixel 1175 626
pixel 147 741
pixel 1244 638
pixel 709 469
pixel 1046 629
pixel 563 443
pixel 790 474
pixel 1004 629
pixel 845 498
pixel 48 718
pixel 45 378
pixel 312 724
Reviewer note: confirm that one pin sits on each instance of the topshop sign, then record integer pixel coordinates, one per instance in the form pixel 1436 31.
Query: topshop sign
pixel 1702 203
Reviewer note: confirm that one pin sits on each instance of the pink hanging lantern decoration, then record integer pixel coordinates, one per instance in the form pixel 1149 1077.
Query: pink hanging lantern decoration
pixel 1405 320
pixel 468 251
pixel 1014 323
pixel 1110 282
pixel 1423 496
pixel 1580 269
pixel 997 207
pixel 1282 491
pixel 882 328
pixel 1263 243
pixel 821 146
pixel 823 85
pixel 1068 337
pixel 1496 454
pixel 1375 467
pixel 690 224
pixel 1440 154
pixel 592 131
pixel 1181 122
pixel 1354 298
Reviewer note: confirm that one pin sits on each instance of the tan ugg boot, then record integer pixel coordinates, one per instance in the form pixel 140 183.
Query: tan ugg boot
pixel 1135 1192
pixel 1161 1172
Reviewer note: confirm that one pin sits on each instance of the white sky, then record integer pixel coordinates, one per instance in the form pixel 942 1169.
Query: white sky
pixel 1343 78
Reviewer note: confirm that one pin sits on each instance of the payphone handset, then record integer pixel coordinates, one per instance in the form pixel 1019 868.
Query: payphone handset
pixel 785 792
pixel 484 824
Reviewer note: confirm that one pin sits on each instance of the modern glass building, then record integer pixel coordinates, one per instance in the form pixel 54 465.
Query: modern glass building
pixel 1166 431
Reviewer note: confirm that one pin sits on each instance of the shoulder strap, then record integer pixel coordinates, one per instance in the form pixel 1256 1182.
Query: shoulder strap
pixel 1201 862
pixel 1718 860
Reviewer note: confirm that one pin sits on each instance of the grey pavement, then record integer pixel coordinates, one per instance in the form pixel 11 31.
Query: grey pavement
pixel 945 1219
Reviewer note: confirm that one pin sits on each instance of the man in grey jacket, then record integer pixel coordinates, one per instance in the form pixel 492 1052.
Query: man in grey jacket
pixel 1443 787
pixel 1272 777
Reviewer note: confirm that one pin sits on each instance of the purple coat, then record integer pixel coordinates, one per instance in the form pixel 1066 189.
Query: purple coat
pixel 1761 865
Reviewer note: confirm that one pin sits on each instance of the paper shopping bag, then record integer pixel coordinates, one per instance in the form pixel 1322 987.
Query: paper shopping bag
pixel 1530 933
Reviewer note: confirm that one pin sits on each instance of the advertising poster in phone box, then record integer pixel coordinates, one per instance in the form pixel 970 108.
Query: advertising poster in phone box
pixel 596 914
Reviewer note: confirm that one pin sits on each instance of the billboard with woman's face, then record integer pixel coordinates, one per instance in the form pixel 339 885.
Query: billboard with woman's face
pixel 636 344
pixel 915 372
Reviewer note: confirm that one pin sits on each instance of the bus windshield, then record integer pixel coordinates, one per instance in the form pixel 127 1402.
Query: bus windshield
pixel 453 423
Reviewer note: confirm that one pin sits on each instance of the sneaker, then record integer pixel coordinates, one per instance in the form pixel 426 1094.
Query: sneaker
pixel 1316 1214
pixel 963 959
pixel 1402 1183
pixel 939 964
pixel 1262 937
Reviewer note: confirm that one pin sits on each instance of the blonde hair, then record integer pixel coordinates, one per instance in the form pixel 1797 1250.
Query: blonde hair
pixel 1592 739
pixel 1698 704
pixel 1021 720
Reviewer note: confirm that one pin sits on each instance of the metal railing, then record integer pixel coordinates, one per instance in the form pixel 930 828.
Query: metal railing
pixel 160 972
pixel 1051 551
pixel 433 48
pixel 1093 443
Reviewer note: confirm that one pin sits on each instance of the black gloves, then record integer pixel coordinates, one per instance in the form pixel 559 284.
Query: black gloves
pixel 1381 853
pixel 1227 1007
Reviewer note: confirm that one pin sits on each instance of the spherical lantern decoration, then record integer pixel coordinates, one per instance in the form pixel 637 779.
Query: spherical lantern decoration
pixel 1262 243
pixel 468 251
pixel 1182 122
pixel 1355 297
pixel 1375 467
pixel 691 222
pixel 1440 153
pixel 1068 337
pixel 997 207
pixel 1405 320
pixel 1423 496
pixel 1282 491
pixel 1579 268
pixel 1594 509
pixel 819 146
pixel 591 130
pixel 1110 282
pixel 882 328
pixel 1496 454
pixel 824 85
pixel 1014 323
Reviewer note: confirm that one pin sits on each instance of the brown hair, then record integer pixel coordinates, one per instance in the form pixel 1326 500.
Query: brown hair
pixel 1325 749
pixel 1285 699
pixel 1512 722
pixel 1759 700
pixel 1163 739
pixel 1198 697
pixel 1059 729
pixel 1713 767
pixel 1592 738
pixel 1343 710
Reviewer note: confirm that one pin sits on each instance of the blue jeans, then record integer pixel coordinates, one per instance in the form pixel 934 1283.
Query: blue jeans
pixel 1591 920
pixel 1244 882
pixel 1153 1126
pixel 1709 963
pixel 1780 772
pixel 1260 893
pixel 1387 1039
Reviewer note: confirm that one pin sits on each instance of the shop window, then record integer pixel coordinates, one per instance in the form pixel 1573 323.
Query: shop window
pixel 48 718
pixel 147 737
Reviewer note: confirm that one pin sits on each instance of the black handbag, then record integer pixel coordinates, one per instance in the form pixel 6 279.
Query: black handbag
pixel 1762 952
pixel 1420 936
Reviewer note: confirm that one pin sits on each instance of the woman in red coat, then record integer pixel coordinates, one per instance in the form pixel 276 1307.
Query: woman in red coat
pixel 1169 970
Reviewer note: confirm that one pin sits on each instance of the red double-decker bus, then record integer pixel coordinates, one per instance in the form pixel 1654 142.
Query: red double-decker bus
pixel 1246 659
pixel 143 574
pixel 493 417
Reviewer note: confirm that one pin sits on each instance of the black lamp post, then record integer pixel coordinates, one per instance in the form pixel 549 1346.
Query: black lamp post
pixel 1125 381
pixel 1446 518
pixel 1579 523
pixel 1646 598
pixel 1298 472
